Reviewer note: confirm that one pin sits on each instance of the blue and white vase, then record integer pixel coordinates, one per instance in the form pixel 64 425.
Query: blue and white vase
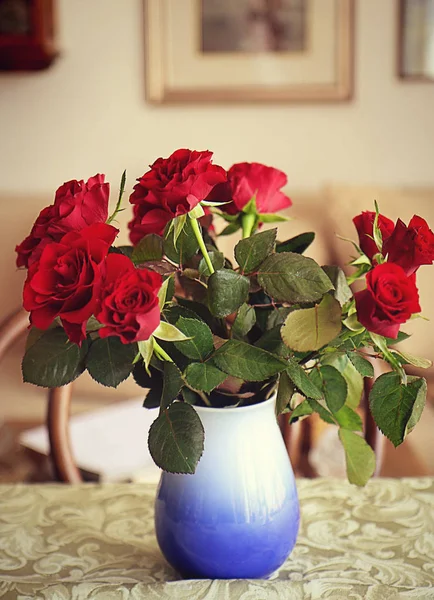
pixel 237 517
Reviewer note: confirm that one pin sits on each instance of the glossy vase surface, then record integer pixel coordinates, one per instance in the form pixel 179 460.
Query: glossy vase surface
pixel 237 517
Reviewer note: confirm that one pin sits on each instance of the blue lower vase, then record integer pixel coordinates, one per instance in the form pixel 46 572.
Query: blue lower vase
pixel 237 517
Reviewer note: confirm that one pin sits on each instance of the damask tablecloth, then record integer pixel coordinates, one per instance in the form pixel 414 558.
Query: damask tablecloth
pixel 97 542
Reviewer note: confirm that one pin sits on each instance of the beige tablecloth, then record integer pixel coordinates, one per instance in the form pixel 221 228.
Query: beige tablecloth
pixel 97 541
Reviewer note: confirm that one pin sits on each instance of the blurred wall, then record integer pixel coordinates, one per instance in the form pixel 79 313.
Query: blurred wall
pixel 88 113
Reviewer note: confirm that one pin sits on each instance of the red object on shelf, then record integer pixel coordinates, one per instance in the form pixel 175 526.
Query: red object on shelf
pixel 33 49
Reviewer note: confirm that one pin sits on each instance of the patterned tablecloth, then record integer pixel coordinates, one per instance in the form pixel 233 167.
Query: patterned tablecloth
pixel 97 541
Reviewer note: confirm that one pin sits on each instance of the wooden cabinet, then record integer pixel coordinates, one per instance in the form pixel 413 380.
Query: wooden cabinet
pixel 27 34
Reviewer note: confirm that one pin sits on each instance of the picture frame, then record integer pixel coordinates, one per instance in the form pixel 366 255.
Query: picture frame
pixel 415 41
pixel 27 34
pixel 315 64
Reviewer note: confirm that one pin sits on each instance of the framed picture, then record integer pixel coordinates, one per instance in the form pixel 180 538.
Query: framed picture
pixel 249 50
pixel 416 40
pixel 27 34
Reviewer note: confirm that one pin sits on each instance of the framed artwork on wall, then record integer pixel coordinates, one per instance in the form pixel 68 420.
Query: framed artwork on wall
pixel 249 50
pixel 27 29
pixel 416 40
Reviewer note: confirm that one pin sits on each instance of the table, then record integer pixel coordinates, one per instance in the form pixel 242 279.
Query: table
pixel 97 541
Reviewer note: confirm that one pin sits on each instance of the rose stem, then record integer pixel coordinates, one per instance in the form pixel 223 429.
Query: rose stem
pixel 119 202
pixel 161 351
pixel 248 223
pixel 198 234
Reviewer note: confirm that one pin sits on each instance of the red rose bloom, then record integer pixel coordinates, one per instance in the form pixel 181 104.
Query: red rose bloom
pixel 128 305
pixel 365 228
pixel 389 299
pixel 66 279
pixel 172 188
pixel 246 180
pixel 77 204
pixel 412 246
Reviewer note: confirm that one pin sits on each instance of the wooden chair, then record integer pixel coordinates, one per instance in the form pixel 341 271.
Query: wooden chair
pixel 298 439
pixel 59 400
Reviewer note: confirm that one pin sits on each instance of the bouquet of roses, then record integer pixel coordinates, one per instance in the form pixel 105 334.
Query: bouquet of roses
pixel 195 327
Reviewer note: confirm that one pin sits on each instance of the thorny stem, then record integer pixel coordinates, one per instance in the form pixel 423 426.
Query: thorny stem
pixel 198 234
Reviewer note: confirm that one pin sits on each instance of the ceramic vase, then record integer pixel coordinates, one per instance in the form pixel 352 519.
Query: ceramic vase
pixel 237 517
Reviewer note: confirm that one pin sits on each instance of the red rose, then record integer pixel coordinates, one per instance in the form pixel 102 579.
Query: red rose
pixel 412 246
pixel 365 228
pixel 65 281
pixel 128 305
pixel 77 204
pixel 172 188
pixel 246 180
pixel 389 299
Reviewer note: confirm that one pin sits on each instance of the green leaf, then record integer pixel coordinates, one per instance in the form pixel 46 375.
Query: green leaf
pixel 244 321
pixel 52 360
pixel 271 341
pixel 204 376
pixel 169 333
pixel 359 456
pixel 166 292
pixel 173 312
pixel 178 225
pixel 252 251
pixel 172 385
pixel 301 381
pixel 363 366
pixel 231 228
pixel 247 362
pixel 150 247
pixel 197 212
pixel 125 250
pixel 217 261
pixel 402 336
pixel 289 277
pixel 342 291
pixel 278 316
pixel 227 291
pixel 304 409
pixel 297 244
pixel 396 407
pixel 200 311
pixel 378 237
pixel 349 419
pixel 176 439
pixel 416 361
pixel 146 349
pixel 333 386
pixel 200 345
pixel 418 406
pixel 380 342
pixel 110 361
pixel 353 324
pixel 34 335
pixel 152 381
pixel 285 391
pixel 186 244
pixel 312 328
pixel 324 414
pixel 353 378
pixel 271 218
pixel 190 396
